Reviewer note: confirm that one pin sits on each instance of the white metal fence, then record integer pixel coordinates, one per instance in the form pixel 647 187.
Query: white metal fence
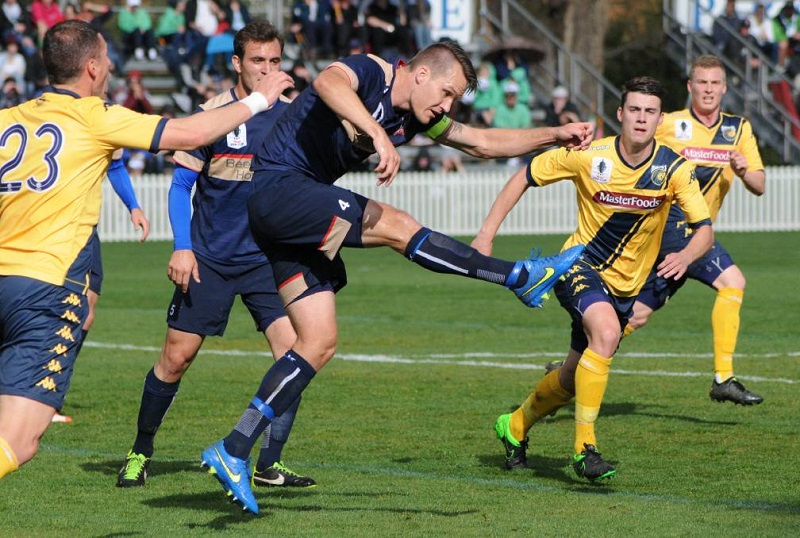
pixel 456 204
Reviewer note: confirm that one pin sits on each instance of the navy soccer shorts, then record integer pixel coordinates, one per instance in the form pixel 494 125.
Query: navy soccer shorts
pixel 657 290
pixel 40 335
pixel 206 306
pixel 301 225
pixel 582 287
pixel 96 270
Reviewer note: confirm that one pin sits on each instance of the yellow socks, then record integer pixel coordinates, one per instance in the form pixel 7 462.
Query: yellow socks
pixel 725 327
pixel 548 396
pixel 8 460
pixel 628 330
pixel 591 379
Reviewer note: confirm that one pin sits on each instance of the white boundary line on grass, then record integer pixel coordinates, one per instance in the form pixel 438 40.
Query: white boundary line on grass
pixel 458 360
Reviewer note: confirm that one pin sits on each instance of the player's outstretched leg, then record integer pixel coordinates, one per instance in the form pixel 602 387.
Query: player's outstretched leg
pixel 543 273
pixel 233 473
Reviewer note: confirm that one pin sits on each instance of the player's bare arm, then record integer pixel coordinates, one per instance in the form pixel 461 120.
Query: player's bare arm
pixel 499 143
pixel 754 180
pixel 505 202
pixel 337 87
pixel 675 264
pixel 205 127
pixel 140 222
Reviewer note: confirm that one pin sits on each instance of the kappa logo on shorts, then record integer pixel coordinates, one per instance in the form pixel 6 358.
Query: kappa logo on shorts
pixel 344 205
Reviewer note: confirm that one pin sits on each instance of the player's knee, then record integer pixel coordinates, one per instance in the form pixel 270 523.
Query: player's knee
pixel 173 364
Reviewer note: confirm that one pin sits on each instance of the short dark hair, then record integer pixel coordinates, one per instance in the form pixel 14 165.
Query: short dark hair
pixel 259 31
pixel 645 85
pixel 440 56
pixel 66 48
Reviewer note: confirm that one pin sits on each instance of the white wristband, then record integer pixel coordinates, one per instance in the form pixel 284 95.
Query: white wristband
pixel 256 102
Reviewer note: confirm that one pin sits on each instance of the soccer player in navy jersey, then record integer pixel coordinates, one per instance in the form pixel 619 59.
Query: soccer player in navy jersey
pixel 215 259
pixel 358 106
pixel 625 187
pixel 55 151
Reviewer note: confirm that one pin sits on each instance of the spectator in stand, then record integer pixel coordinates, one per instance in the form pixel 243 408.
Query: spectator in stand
pixel 561 109
pixel 511 65
pixel 785 27
pixel 312 20
pixel 512 114
pixel 171 26
pixel 44 14
pixel 422 161
pixel 419 19
pixel 725 26
pixel 136 97
pixel 738 54
pixel 16 20
pixel 201 21
pixel 13 64
pixel 346 27
pixel 488 94
pixel 136 25
pixel 237 14
pixel 761 28
pixel 384 27
pixel 301 76
pixel 11 94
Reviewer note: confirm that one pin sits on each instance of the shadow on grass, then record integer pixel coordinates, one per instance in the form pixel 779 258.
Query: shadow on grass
pixel 630 408
pixel 234 515
pixel 112 467
pixel 554 469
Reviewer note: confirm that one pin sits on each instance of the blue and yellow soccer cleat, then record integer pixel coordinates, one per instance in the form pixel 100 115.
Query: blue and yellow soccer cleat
pixel 516 457
pixel 232 473
pixel 543 273
pixel 590 465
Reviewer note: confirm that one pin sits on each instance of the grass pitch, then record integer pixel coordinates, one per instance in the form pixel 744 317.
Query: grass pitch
pixel 397 430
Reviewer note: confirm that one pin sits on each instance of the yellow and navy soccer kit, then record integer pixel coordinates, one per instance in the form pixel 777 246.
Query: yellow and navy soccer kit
pixel 55 151
pixel 622 210
pixel 708 148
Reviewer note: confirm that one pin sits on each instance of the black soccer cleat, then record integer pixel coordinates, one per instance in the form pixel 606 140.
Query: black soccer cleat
pixel 732 390
pixel 278 475
pixel 134 471
pixel 590 465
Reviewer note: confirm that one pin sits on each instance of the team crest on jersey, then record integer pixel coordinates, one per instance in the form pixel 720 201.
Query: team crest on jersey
pixel 237 138
pixel 728 132
pixel 683 130
pixel 601 170
pixel 658 174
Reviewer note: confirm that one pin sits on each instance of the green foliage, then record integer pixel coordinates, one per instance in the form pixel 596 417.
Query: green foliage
pixel 398 429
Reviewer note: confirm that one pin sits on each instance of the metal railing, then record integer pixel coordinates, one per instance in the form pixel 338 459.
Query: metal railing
pixel 748 86
pixel 589 89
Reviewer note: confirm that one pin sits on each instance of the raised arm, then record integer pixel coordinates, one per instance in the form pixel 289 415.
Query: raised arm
pixel 497 143
pixel 337 90
pixel 205 127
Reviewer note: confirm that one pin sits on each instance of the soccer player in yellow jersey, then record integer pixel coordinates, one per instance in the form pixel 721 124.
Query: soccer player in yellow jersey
pixel 625 186
pixel 722 147
pixel 54 153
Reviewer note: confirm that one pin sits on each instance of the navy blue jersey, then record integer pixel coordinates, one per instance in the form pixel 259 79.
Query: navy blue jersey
pixel 219 228
pixel 311 139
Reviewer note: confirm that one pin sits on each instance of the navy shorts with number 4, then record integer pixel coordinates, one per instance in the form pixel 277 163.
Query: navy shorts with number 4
pixel 301 225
